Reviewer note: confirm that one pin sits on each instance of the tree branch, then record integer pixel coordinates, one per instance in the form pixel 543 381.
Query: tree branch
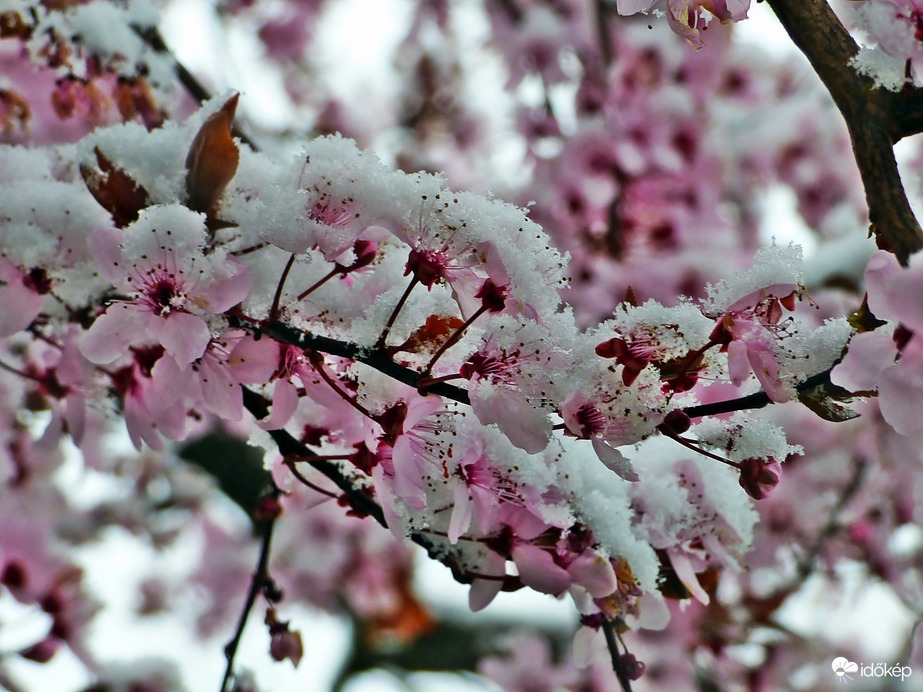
pixel 377 358
pixel 870 117
pixel 259 581
pixel 615 656
pixel 752 401
pixel 289 446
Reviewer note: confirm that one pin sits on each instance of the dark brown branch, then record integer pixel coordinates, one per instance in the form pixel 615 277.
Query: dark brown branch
pixel 260 580
pixel 751 401
pixel 379 360
pixel 906 110
pixel 872 125
pixel 288 446
pixel 376 358
pixel 834 523
pixel 615 656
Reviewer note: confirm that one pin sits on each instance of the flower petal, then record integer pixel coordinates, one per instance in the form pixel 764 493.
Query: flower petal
pixel 184 336
pixel 538 570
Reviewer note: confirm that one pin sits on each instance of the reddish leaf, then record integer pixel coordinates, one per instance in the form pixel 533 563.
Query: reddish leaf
pixel 433 334
pixel 403 622
pixel 115 191
pixel 14 112
pixel 212 160
pixel 135 98
pixel 283 642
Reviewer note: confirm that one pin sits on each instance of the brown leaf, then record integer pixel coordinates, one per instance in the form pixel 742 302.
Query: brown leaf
pixel 134 98
pixel 435 332
pixel 630 297
pixel 212 160
pixel 283 642
pixel 13 26
pixel 403 622
pixel 14 112
pixel 824 399
pixel 863 319
pixel 115 191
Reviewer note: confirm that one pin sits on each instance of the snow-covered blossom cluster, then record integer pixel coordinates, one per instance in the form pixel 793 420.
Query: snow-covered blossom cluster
pixel 165 288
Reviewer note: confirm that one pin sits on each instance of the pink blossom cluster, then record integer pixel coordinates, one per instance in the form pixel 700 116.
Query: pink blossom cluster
pixel 178 313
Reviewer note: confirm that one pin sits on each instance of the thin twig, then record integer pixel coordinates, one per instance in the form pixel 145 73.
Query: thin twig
pixel 832 526
pixel 260 580
pixel 383 337
pixel 451 341
pixel 274 310
pixel 751 401
pixel 154 39
pixel 614 655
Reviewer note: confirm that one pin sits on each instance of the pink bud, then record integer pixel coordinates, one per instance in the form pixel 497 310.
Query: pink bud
pixel 269 508
pixel 759 477
pixel 42 652
pixel 14 575
pixel 285 644
pixel 675 423
pixel 633 668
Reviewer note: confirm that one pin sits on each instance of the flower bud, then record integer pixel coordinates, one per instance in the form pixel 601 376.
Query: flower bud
pixel 759 477
pixel 675 423
pixel 14 575
pixel 632 667
pixel 42 652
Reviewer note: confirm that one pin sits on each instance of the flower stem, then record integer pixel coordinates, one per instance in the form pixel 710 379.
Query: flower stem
pixel 397 308
pixel 290 464
pixel 319 283
pixel 274 310
pixel 689 444
pixel 451 341
pixel 317 361
pixel 612 645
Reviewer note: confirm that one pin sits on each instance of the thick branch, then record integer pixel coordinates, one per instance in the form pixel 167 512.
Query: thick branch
pixel 873 128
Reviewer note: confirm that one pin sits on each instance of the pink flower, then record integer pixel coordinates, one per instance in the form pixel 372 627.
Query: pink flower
pixel 896 26
pixel 496 389
pixel 892 364
pixel 161 262
pixel 686 16
pixel 21 296
pixel 749 331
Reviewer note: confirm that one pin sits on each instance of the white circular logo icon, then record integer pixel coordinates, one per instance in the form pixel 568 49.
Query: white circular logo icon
pixel 842 666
